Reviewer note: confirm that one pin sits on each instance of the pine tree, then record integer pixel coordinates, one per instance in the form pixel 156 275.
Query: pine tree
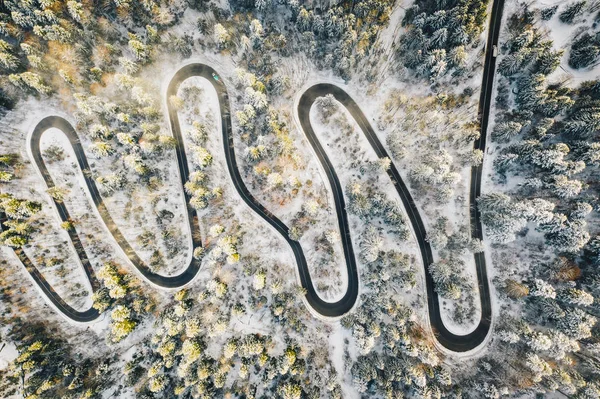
pixel 540 288
pixel 437 235
pixel 304 19
pixel 363 372
pixel 202 158
pixel 515 289
pixel 531 92
pixel 538 366
pixel 101 149
pixel 575 297
pixel 371 244
pixel 548 13
pixel 566 235
pixel 16 208
pixel 101 300
pixel 580 211
pixel 585 50
pixel 5 176
pixel 503 217
pixel 548 61
pixel 572 11
pixel 7 60
pixel 139 49
pixel 565 188
pixel 9 159
pixel 158 383
pixel 30 80
pixel 576 324
pixel 521 41
pixel 290 390
pixel 539 341
pixel 511 64
pixel 221 36
pixel 505 131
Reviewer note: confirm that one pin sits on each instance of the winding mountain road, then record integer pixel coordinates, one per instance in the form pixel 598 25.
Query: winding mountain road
pixel 329 309
pixel 325 308
pixel 162 281
pixel 447 339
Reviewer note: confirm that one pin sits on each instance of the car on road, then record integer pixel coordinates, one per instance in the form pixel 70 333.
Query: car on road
pixel 215 76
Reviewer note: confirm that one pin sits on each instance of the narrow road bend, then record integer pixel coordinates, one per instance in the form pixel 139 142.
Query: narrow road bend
pixel 449 340
pixel 330 309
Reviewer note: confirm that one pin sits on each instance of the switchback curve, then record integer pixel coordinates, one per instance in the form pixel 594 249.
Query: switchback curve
pixel 457 343
pixel 446 338
pixel 327 309
pixel 449 340
pixel 322 307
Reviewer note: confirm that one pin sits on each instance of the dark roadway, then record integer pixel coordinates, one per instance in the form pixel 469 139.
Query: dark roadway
pixel 449 340
pixel 325 308
pixel 453 342
pixel 330 309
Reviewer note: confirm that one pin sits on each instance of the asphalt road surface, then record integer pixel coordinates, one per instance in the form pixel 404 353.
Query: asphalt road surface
pixel 325 308
pixel 330 309
pixel 453 342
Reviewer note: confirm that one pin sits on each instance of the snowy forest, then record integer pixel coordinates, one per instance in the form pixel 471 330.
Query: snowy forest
pixel 299 199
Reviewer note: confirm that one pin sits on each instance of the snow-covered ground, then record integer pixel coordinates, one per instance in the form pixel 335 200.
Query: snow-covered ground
pixel 170 194
pixel 8 352
pixel 135 209
pixel 50 249
pixel 562 36
pixel 515 260
pixel 344 142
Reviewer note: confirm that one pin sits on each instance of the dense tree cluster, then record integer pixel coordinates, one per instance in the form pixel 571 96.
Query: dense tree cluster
pixel 395 357
pixel 432 138
pixel 369 203
pixel 435 175
pixel 572 11
pixel 554 335
pixel 448 279
pixel 193 353
pixel 455 247
pixel 126 299
pixel 528 52
pixel 547 134
pixel 337 38
pixel 549 131
pixel 585 48
pixel 585 51
pixel 17 227
pixel 47 367
pixel 327 274
pixel 439 35
pixel 504 217
pixel 390 268
pixel 16 213
pixel 199 184
pixel 35 36
pixel 270 149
